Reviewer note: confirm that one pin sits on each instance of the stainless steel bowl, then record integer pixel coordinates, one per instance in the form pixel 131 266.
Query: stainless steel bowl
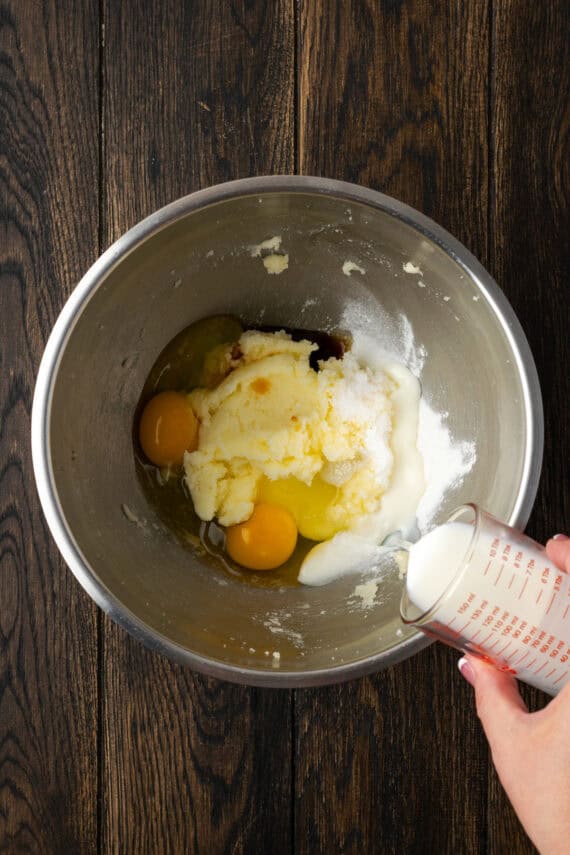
pixel 192 259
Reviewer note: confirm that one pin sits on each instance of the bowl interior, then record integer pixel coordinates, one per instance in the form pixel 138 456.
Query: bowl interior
pixel 202 264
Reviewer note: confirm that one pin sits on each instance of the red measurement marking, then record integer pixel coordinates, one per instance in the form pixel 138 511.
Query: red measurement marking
pixel 487 569
pixel 514 653
pixel 565 613
pixel 523 587
pixel 483 643
pixel 558 679
pixel 550 603
pixel 476 634
pixel 550 673
pixel 460 631
pixel 499 576
pixel 493 644
pixel 530 664
pixel 512 580
pixel 538 670
pixel 452 621
pixel 539 596
pixel 504 648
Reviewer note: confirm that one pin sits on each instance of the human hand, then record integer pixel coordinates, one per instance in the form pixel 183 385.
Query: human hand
pixel 531 751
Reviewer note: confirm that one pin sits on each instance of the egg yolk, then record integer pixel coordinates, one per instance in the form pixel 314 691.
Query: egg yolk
pixel 168 428
pixel 264 541
pixel 309 504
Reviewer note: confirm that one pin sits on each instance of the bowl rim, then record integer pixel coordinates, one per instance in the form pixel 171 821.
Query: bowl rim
pixel 95 277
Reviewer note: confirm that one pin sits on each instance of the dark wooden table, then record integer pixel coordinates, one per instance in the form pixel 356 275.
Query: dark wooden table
pixel 110 109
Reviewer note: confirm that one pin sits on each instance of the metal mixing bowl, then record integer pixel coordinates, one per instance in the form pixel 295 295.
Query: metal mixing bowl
pixel 193 259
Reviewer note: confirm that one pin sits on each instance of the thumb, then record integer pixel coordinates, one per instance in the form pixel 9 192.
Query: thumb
pixel 499 704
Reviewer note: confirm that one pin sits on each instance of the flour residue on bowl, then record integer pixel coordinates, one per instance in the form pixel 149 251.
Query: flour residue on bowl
pixel 395 332
pixel 132 517
pixel 275 622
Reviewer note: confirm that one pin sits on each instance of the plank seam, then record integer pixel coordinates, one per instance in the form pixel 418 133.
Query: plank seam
pixel 296 86
pixel 293 770
pixel 491 143
pixel 100 627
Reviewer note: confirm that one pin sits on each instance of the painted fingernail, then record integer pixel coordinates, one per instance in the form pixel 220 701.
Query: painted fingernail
pixel 466 670
pixel 560 537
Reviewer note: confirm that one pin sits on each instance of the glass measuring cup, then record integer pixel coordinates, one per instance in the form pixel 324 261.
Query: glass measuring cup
pixel 487 589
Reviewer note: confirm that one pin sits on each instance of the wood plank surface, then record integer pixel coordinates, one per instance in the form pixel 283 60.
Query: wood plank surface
pixel 394 96
pixel 48 235
pixel 194 94
pixel 530 257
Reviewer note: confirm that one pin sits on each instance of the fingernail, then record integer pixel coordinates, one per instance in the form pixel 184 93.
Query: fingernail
pixel 560 537
pixel 466 670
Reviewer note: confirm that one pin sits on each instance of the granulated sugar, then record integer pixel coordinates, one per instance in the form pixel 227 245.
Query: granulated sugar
pixel 446 460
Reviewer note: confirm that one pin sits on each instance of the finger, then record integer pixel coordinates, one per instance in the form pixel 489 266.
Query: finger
pixel 499 704
pixel 558 550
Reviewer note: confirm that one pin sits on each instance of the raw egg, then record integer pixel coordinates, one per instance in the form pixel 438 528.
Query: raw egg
pixel 309 504
pixel 264 541
pixel 168 428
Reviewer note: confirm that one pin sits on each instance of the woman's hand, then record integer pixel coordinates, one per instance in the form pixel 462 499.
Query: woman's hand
pixel 531 751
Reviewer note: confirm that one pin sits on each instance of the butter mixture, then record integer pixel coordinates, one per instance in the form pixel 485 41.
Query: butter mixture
pixel 319 443
pixel 274 437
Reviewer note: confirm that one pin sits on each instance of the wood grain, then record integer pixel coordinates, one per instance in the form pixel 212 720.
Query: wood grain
pixel 392 763
pixel 530 216
pixel 394 95
pixel 208 97
pixel 191 764
pixel 530 256
pixel 194 94
pixel 48 235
